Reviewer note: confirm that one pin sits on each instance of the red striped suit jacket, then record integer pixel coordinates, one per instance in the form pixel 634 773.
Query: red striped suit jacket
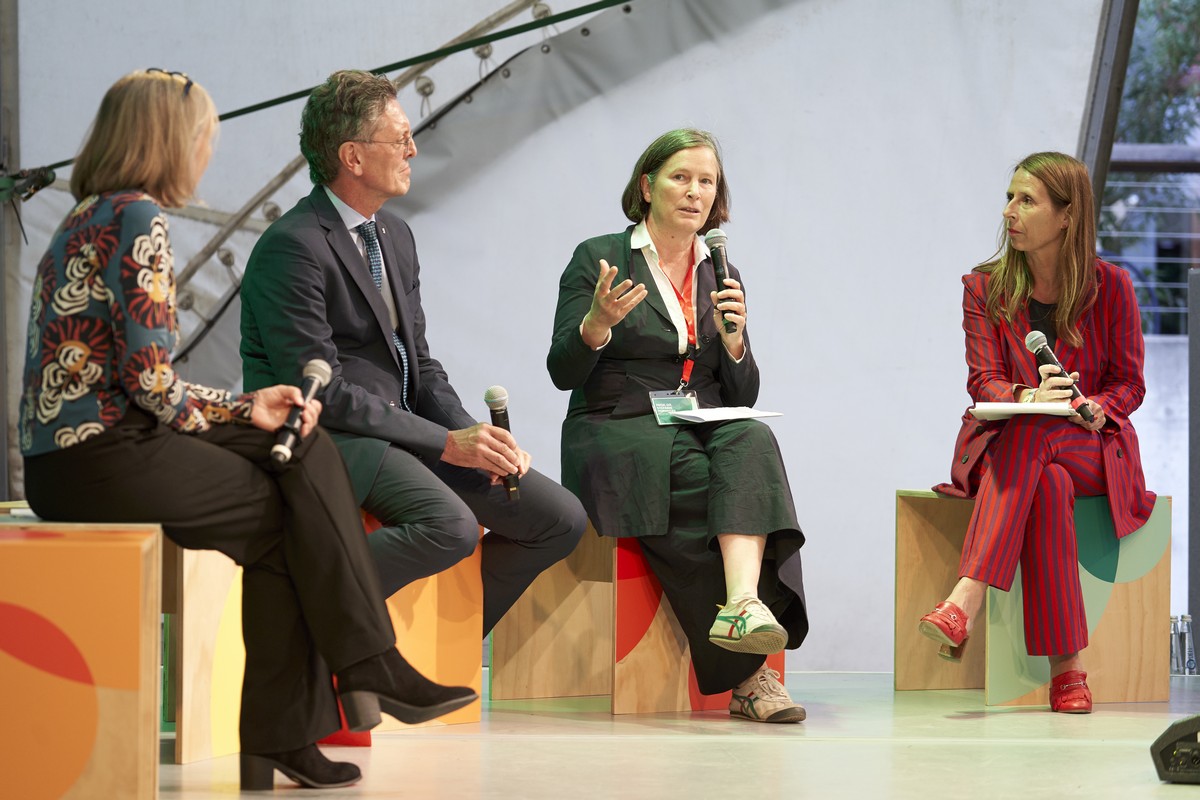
pixel 1110 372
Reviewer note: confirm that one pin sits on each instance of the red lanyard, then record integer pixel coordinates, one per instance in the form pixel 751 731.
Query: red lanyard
pixel 689 318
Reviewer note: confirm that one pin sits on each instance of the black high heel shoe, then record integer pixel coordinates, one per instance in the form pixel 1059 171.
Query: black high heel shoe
pixel 389 683
pixel 307 766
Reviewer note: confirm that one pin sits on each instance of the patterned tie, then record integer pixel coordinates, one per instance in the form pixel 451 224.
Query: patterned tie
pixel 375 260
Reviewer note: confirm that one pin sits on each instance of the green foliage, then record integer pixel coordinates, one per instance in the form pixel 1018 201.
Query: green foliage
pixel 1160 105
pixel 1161 101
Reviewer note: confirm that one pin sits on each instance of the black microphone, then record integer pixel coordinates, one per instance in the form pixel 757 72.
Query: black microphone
pixel 316 375
pixel 496 398
pixel 1036 343
pixel 716 239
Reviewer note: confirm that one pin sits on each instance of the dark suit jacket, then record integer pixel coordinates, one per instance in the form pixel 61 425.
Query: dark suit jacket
pixel 615 457
pixel 1110 372
pixel 308 293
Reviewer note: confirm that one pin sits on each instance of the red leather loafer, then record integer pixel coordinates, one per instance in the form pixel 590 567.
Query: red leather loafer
pixel 946 624
pixel 1069 693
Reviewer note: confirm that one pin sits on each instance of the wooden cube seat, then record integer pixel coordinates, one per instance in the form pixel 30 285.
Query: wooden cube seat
pixel 596 623
pixel 438 623
pixel 1126 588
pixel 79 655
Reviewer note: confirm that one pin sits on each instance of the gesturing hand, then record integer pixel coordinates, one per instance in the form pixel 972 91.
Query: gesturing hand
pixel 610 305
pixel 272 405
pixel 486 447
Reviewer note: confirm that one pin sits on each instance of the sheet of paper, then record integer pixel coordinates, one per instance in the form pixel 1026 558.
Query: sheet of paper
pixel 1006 410
pixel 722 414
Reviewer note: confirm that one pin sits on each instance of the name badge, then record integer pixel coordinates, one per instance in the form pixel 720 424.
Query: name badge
pixel 666 403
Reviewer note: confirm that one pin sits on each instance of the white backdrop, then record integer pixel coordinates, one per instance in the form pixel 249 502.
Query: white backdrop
pixel 868 145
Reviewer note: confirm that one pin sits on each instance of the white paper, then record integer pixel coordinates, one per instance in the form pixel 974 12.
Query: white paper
pixel 724 413
pixel 1006 410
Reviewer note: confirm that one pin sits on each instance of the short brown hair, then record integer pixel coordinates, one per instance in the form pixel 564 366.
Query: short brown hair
pixel 650 162
pixel 144 136
pixel 342 109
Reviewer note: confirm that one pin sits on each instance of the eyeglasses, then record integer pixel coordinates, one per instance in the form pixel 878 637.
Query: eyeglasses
pixel 404 144
pixel 187 87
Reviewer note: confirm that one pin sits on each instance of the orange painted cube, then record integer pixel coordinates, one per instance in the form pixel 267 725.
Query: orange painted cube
pixel 79 655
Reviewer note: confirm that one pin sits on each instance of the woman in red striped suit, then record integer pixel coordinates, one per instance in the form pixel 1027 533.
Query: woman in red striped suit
pixel 1025 472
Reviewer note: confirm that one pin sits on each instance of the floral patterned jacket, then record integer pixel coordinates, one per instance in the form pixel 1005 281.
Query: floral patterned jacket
pixel 102 327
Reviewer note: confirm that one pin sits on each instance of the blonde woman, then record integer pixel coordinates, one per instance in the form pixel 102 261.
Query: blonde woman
pixel 110 432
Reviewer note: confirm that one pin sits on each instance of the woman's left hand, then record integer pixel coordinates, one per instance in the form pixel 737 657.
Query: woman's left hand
pixel 729 304
pixel 1098 417
pixel 273 404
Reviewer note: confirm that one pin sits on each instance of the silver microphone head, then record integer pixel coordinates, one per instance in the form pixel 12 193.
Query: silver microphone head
pixel 319 368
pixel 496 398
pixel 1034 341
pixel 715 238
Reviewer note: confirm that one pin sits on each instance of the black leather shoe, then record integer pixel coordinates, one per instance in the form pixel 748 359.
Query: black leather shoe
pixel 389 683
pixel 307 766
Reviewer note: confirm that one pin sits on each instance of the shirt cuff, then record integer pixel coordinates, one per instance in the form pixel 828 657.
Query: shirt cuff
pixel 603 344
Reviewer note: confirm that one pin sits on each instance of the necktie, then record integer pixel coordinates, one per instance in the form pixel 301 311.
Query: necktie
pixel 375 261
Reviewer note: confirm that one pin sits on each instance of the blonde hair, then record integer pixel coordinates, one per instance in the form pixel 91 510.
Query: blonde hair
pixel 144 137
pixel 1011 285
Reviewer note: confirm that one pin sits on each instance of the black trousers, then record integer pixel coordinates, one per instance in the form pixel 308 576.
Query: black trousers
pixel 311 601
pixel 430 519
pixel 727 478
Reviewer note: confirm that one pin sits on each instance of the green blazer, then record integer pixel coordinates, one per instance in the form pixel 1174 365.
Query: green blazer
pixel 615 456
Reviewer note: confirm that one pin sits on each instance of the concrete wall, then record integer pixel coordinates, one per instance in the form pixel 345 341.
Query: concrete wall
pixel 868 145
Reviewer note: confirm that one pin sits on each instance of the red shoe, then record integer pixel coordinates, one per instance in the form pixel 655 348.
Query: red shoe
pixel 946 624
pixel 1069 693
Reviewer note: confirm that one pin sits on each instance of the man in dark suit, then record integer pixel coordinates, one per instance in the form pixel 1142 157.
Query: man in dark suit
pixel 337 278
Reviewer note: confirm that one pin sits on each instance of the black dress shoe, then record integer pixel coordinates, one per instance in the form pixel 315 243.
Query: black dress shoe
pixel 307 766
pixel 387 682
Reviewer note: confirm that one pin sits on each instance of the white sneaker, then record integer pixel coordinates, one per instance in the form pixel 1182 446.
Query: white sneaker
pixel 762 698
pixel 747 626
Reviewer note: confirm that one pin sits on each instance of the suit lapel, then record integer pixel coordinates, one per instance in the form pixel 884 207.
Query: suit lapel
pixel 639 272
pixel 352 262
pixel 706 283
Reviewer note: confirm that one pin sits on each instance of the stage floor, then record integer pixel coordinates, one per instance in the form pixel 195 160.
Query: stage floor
pixel 861 740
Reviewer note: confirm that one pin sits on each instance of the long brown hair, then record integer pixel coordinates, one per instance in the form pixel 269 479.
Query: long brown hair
pixel 144 137
pixel 1011 284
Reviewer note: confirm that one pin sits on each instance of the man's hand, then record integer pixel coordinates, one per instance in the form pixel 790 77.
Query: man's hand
pixel 486 447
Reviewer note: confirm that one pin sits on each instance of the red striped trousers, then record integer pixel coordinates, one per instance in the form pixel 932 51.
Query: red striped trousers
pixel 1025 514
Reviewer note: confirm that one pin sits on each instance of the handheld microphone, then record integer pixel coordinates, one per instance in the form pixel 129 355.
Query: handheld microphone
pixel 316 375
pixel 1036 343
pixel 716 239
pixel 496 398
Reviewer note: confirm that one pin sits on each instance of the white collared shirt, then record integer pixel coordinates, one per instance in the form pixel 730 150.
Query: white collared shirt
pixel 640 240
pixel 352 219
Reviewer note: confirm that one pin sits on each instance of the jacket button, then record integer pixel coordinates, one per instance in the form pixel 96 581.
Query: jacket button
pixel 1120 453
pixel 965 458
pixel 979 429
